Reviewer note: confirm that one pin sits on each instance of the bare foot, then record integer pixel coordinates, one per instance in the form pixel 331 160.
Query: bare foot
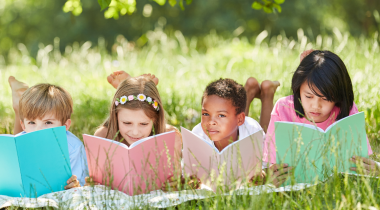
pixel 18 88
pixel 117 77
pixel 152 77
pixel 268 88
pixel 252 87
pixel 305 53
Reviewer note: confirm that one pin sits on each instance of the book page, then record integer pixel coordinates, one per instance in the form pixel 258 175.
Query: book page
pixel 241 160
pixel 44 160
pixel 10 177
pixel 346 139
pixel 108 162
pixel 300 147
pixel 152 163
pixel 200 158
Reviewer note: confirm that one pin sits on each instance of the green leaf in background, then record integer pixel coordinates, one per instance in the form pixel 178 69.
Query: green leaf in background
pixel 256 5
pixel 268 9
pixel 279 1
pixel 172 2
pixel 104 4
pixel 189 1
pixel 278 7
pixel 160 2
pixel 181 5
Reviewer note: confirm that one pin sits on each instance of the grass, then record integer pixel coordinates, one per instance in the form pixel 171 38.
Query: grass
pixel 184 71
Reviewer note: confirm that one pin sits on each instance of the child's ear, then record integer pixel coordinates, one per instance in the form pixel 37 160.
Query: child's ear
pixel 241 118
pixel 67 124
pixel 22 125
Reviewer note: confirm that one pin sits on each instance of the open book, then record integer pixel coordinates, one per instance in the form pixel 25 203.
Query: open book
pixel 236 163
pixel 34 163
pixel 137 169
pixel 317 153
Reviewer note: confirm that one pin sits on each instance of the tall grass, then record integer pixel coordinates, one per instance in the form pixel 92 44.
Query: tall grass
pixel 184 71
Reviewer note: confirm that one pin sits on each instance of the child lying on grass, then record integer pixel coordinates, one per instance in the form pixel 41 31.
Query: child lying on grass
pixel 46 106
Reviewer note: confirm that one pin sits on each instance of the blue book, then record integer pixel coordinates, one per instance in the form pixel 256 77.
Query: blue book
pixel 34 163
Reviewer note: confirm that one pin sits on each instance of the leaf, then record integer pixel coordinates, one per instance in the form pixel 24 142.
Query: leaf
pixel 104 4
pixel 189 1
pixel 160 2
pixel 256 5
pixel 278 7
pixel 267 9
pixel 172 2
pixel 181 5
pixel 279 1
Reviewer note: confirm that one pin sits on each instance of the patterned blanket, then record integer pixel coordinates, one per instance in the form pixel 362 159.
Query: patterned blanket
pixel 101 197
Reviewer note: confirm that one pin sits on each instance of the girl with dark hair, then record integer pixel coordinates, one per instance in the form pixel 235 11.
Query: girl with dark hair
pixel 322 94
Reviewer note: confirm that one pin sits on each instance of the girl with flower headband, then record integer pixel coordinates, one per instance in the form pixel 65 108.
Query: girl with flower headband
pixel 136 112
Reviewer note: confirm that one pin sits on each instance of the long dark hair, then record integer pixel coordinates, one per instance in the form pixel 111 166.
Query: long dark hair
pixel 326 72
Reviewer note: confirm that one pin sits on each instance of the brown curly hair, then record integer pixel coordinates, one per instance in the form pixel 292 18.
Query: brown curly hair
pixel 228 89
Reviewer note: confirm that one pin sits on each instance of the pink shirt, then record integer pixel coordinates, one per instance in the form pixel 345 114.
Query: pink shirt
pixel 284 111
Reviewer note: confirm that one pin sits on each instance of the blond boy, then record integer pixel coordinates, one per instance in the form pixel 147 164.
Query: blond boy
pixel 46 106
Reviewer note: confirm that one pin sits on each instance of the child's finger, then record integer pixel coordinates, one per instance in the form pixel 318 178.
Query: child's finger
pixel 72 185
pixel 72 179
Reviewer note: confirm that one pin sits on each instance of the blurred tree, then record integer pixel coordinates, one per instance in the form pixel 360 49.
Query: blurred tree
pixel 37 23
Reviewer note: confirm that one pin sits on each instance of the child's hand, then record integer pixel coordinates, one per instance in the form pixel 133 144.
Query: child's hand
pixel 259 179
pixel 305 53
pixel 278 173
pixel 90 181
pixel 180 183
pixel 171 184
pixel 369 167
pixel 72 183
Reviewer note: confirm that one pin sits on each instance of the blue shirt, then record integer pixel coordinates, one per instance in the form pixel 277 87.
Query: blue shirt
pixel 77 154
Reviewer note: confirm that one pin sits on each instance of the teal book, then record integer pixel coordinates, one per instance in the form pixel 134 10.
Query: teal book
pixel 316 153
pixel 34 163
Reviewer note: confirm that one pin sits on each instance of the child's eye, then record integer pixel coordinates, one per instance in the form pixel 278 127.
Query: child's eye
pixel 308 96
pixel 325 99
pixel 222 115
pixel 205 114
pixel 31 123
pixel 48 123
pixel 126 123
pixel 144 123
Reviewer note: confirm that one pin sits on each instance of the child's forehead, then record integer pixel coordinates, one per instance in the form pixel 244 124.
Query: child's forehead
pixel 47 116
pixel 215 102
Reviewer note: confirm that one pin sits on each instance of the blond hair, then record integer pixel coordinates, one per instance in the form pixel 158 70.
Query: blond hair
pixel 42 99
pixel 135 86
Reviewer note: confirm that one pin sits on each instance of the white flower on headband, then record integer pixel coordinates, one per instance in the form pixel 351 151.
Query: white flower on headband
pixel 123 99
pixel 141 97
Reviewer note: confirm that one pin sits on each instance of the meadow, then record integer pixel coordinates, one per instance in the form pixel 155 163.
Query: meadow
pixel 185 66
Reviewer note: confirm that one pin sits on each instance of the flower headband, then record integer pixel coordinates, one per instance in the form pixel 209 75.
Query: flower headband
pixel 140 97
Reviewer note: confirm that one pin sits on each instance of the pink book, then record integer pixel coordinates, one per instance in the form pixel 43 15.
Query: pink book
pixel 137 169
pixel 236 163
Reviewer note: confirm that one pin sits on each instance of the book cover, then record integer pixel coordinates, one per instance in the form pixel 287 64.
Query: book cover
pixel 316 153
pixel 34 163
pixel 142 167
pixel 236 163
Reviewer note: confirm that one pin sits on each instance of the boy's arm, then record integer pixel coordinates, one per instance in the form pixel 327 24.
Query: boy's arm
pixel 78 161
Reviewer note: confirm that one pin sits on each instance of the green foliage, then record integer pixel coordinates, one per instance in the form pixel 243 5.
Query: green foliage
pixel 123 7
pixel 268 6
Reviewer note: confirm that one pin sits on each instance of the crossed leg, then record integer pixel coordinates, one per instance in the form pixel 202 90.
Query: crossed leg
pixel 265 92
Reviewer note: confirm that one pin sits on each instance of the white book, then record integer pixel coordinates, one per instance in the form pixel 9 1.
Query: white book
pixel 236 163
